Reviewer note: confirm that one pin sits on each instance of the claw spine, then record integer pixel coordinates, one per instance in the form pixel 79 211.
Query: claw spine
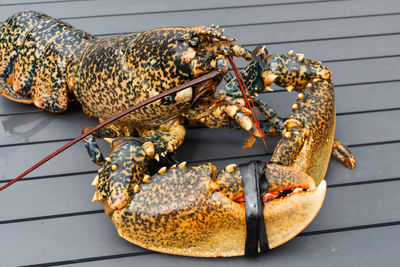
pixel 163 170
pixel 182 164
pixel 95 181
pixel 230 168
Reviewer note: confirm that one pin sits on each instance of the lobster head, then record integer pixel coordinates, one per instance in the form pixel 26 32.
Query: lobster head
pixel 173 55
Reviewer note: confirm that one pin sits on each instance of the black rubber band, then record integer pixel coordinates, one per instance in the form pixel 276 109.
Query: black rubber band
pixel 254 185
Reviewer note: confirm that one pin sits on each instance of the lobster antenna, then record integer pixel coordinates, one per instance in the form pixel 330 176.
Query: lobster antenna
pixel 249 105
pixel 181 87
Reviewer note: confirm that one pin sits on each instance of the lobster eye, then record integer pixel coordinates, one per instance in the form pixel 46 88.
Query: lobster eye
pixel 194 42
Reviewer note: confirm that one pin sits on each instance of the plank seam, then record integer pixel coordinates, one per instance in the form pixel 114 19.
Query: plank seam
pixel 40 177
pixel 99 258
pixel 194 128
pixel 37 142
pixel 203 160
pixel 377 181
pixel 48 217
pixel 275 91
pixel 350 228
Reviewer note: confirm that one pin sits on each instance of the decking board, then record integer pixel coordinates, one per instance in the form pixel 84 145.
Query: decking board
pixel 342 249
pixel 359 223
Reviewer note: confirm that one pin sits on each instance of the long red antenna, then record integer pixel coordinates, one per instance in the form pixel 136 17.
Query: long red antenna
pixel 201 79
pixel 249 105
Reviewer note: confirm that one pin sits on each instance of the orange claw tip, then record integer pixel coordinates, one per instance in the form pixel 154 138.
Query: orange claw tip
pixel 136 188
pixel 146 178
pixel 163 170
pixel 182 164
pixel 95 198
pixel 230 167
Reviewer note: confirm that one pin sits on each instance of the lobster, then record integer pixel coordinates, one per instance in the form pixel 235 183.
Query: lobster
pixel 199 210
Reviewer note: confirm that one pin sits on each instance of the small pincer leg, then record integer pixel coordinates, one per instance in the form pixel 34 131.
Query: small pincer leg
pixel 343 154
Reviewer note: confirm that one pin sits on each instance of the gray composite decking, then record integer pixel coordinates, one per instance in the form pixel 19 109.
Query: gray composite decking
pixel 48 218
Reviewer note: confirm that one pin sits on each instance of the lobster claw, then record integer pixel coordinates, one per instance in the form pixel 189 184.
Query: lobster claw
pixel 287 216
pixel 293 72
pixel 198 211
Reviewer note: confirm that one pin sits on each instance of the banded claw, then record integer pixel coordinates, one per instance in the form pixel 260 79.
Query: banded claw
pixel 208 206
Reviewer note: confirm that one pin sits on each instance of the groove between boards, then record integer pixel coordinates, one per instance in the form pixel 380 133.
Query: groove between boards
pixel 193 127
pixel 275 91
pixel 191 162
pixel 147 252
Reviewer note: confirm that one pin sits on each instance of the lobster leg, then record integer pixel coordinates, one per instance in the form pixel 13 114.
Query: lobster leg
pixel 270 115
pixel 267 128
pixel 220 113
pixel 341 152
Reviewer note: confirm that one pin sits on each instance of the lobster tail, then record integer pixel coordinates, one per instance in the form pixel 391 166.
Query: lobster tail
pixel 38 57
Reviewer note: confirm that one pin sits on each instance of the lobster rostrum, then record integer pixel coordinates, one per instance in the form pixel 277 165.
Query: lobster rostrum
pixel 199 210
pixel 49 63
